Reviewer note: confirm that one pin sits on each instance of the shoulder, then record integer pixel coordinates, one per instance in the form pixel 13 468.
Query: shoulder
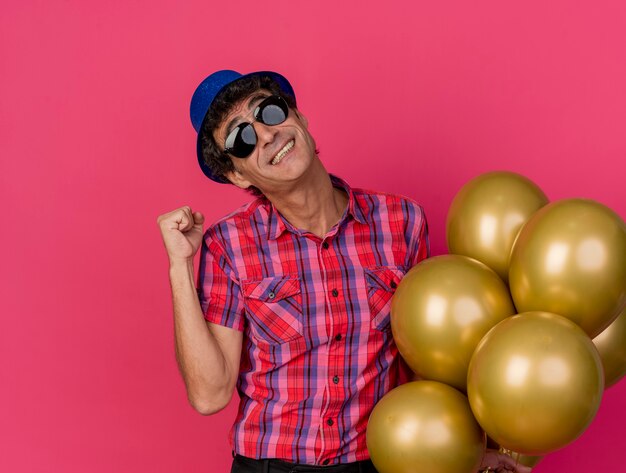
pixel 377 201
pixel 237 222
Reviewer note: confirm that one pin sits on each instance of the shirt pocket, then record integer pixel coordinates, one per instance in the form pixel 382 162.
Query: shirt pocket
pixel 274 306
pixel 381 283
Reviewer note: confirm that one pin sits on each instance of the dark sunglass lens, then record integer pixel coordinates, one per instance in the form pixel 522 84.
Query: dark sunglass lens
pixel 272 111
pixel 248 136
pixel 241 141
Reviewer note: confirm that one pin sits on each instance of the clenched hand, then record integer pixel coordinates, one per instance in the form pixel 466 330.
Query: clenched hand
pixel 181 230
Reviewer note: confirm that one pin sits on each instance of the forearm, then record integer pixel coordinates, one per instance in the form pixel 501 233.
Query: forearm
pixel 199 355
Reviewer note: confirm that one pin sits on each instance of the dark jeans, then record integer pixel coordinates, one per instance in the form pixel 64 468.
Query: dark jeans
pixel 250 465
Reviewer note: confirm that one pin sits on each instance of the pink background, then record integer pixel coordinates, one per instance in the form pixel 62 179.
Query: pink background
pixel 408 96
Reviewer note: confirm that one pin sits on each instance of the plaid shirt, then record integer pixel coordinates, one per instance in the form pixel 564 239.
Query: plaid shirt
pixel 317 350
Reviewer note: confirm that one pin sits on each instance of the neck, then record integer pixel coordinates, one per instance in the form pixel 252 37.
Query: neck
pixel 313 206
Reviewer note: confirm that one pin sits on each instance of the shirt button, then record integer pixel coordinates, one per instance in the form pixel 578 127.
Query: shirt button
pixel 393 285
pixel 271 295
pixel 335 292
pixel 326 462
pixel 325 245
pixel 336 379
pixel 338 338
pixel 330 422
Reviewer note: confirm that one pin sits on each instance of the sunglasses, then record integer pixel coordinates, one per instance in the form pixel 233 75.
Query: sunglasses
pixel 242 140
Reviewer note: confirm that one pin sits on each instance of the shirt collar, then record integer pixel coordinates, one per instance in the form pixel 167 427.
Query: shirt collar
pixel 277 224
pixel 354 209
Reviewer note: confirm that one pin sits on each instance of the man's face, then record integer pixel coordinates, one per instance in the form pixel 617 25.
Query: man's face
pixel 283 152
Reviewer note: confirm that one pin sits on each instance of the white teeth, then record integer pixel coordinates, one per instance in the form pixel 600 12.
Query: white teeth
pixel 282 152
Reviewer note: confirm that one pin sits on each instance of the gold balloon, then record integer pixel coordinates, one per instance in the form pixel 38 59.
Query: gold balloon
pixel 535 382
pixel 611 345
pixel 424 426
pixel 441 309
pixel 487 214
pixel 570 259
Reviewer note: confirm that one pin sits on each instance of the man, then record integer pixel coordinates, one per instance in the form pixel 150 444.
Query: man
pixel 294 288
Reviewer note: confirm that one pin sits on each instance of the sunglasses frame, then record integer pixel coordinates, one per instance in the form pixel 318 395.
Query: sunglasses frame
pixel 235 136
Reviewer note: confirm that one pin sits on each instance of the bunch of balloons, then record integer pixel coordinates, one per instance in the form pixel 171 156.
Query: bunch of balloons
pixel 508 319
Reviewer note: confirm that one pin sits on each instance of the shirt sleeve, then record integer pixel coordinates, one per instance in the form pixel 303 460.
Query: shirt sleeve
pixel 218 288
pixel 419 247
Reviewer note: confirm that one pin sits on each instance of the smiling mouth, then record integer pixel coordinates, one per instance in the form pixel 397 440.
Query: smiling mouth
pixel 285 149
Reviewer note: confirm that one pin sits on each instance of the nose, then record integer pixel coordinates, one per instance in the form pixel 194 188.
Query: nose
pixel 265 134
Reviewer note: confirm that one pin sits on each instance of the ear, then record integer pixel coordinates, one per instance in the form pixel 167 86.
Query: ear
pixel 238 179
